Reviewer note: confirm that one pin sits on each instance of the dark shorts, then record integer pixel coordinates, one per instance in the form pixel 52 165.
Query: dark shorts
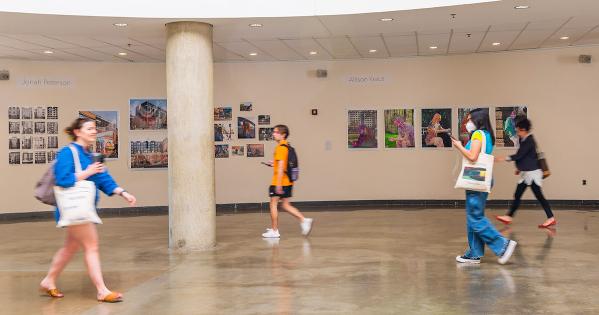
pixel 286 192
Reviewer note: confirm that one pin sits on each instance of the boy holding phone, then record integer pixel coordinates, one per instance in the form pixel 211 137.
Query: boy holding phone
pixel 281 187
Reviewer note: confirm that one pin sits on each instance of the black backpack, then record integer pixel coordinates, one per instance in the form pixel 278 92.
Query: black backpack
pixel 292 163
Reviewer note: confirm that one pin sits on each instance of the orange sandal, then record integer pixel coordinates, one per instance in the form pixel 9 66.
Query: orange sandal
pixel 54 293
pixel 112 297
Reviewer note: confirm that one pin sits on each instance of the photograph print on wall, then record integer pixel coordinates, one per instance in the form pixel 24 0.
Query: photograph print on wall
pixel 14 127
pixel 237 150
pixel 14 143
pixel 463 134
pixel 147 114
pixel 436 128
pixel 40 127
pixel 27 143
pixel 27 127
pixel 26 112
pixel 246 107
pixel 52 112
pixel 362 129
pixel 39 113
pixel 505 125
pixel 246 128
pixel 265 134
pixel 14 112
pixel 263 119
pixel 255 150
pixel 14 158
pixel 221 151
pixel 223 113
pixel 399 128
pixel 27 158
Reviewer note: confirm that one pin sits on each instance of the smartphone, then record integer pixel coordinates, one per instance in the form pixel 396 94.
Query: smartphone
pixel 267 164
pixel 98 157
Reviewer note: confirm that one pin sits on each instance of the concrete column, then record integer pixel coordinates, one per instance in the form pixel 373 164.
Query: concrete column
pixel 189 88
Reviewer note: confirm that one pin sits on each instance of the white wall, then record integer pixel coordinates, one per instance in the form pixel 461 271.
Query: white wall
pixel 561 95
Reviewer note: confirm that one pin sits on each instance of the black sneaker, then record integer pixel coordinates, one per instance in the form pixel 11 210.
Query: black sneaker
pixel 467 260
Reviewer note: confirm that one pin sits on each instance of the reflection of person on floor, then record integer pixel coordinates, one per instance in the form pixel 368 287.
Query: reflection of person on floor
pixel 405 133
pixel 531 174
pixel 83 132
pixel 433 130
pixel 281 187
pixel 480 230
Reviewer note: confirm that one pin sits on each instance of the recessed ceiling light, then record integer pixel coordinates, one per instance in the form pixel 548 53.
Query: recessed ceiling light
pixel 564 37
pixel 521 7
pixel 386 19
pixel 122 54
pixel 433 47
pixel 253 54
pixel 313 52
pixel 256 25
pixel 372 51
pixel 120 24
pixel 48 52
pixel 496 44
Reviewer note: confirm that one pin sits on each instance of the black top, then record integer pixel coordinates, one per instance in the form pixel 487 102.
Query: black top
pixel 526 158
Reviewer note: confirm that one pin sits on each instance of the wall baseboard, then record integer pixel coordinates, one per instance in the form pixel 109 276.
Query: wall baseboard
pixel 340 205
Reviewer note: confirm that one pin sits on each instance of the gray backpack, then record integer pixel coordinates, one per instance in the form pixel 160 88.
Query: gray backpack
pixel 44 189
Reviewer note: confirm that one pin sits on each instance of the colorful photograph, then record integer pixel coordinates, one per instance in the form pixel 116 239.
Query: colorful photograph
pixel 399 128
pixel 436 128
pixel 148 153
pixel 361 129
pixel 246 128
pixel 223 132
pixel 265 134
pixel 505 125
pixel 463 134
pixel 238 150
pixel 263 119
pixel 221 151
pixel 246 107
pixel 223 113
pixel 147 114
pixel 107 124
pixel 255 150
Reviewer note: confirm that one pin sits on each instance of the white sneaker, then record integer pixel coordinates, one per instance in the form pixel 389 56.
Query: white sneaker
pixel 270 233
pixel 306 226
pixel 508 252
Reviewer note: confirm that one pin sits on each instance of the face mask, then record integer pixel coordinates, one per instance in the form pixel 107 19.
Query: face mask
pixel 470 126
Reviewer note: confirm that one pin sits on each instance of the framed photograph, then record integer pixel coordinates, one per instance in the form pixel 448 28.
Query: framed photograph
pixel 14 158
pixel 40 127
pixel 39 143
pixel 51 127
pixel 505 125
pixel 399 128
pixel 39 113
pixel 237 150
pixel 362 129
pixel 223 113
pixel 221 151
pixel 246 128
pixel 27 127
pixel 40 157
pixel 436 128
pixel 107 124
pixel 27 143
pixel 255 150
pixel 53 142
pixel 149 152
pixel 26 113
pixel 14 127
pixel 223 132
pixel 246 107
pixel 265 134
pixel 51 156
pixel 263 119
pixel 147 114
pixel 14 112
pixel 27 158
pixel 463 134
pixel 52 112
pixel 14 143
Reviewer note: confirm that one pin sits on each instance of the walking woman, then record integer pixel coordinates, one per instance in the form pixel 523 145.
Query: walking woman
pixel 527 163
pixel 480 230
pixel 83 133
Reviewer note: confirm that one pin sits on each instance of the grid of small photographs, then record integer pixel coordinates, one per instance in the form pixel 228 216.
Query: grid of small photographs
pixel 243 127
pixel 32 134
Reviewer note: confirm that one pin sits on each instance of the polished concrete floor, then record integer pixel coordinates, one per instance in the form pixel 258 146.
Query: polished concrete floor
pixel 355 262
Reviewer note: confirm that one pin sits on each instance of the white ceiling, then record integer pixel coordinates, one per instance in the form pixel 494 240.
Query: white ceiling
pixel 474 29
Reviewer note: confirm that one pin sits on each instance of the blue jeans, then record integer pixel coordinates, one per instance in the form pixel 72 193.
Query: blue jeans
pixel 480 230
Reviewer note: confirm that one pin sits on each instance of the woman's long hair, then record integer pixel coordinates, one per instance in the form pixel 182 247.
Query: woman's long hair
pixel 481 120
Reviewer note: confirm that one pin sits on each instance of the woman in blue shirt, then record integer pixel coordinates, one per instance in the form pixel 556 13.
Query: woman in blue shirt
pixel 83 132
pixel 480 230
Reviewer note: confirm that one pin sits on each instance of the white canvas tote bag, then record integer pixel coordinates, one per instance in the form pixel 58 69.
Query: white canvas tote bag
pixel 77 204
pixel 477 175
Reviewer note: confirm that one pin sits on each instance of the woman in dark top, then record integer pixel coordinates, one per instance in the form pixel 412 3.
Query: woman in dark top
pixel 527 162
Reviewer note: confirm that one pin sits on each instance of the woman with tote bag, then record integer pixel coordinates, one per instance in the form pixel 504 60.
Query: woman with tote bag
pixel 480 230
pixel 78 179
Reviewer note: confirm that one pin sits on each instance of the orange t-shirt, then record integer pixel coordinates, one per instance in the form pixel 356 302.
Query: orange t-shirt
pixel 281 154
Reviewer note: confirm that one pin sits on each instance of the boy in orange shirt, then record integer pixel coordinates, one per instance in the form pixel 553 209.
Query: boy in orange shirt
pixel 281 187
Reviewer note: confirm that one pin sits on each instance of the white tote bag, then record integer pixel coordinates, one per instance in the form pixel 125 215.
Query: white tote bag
pixel 477 175
pixel 77 204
